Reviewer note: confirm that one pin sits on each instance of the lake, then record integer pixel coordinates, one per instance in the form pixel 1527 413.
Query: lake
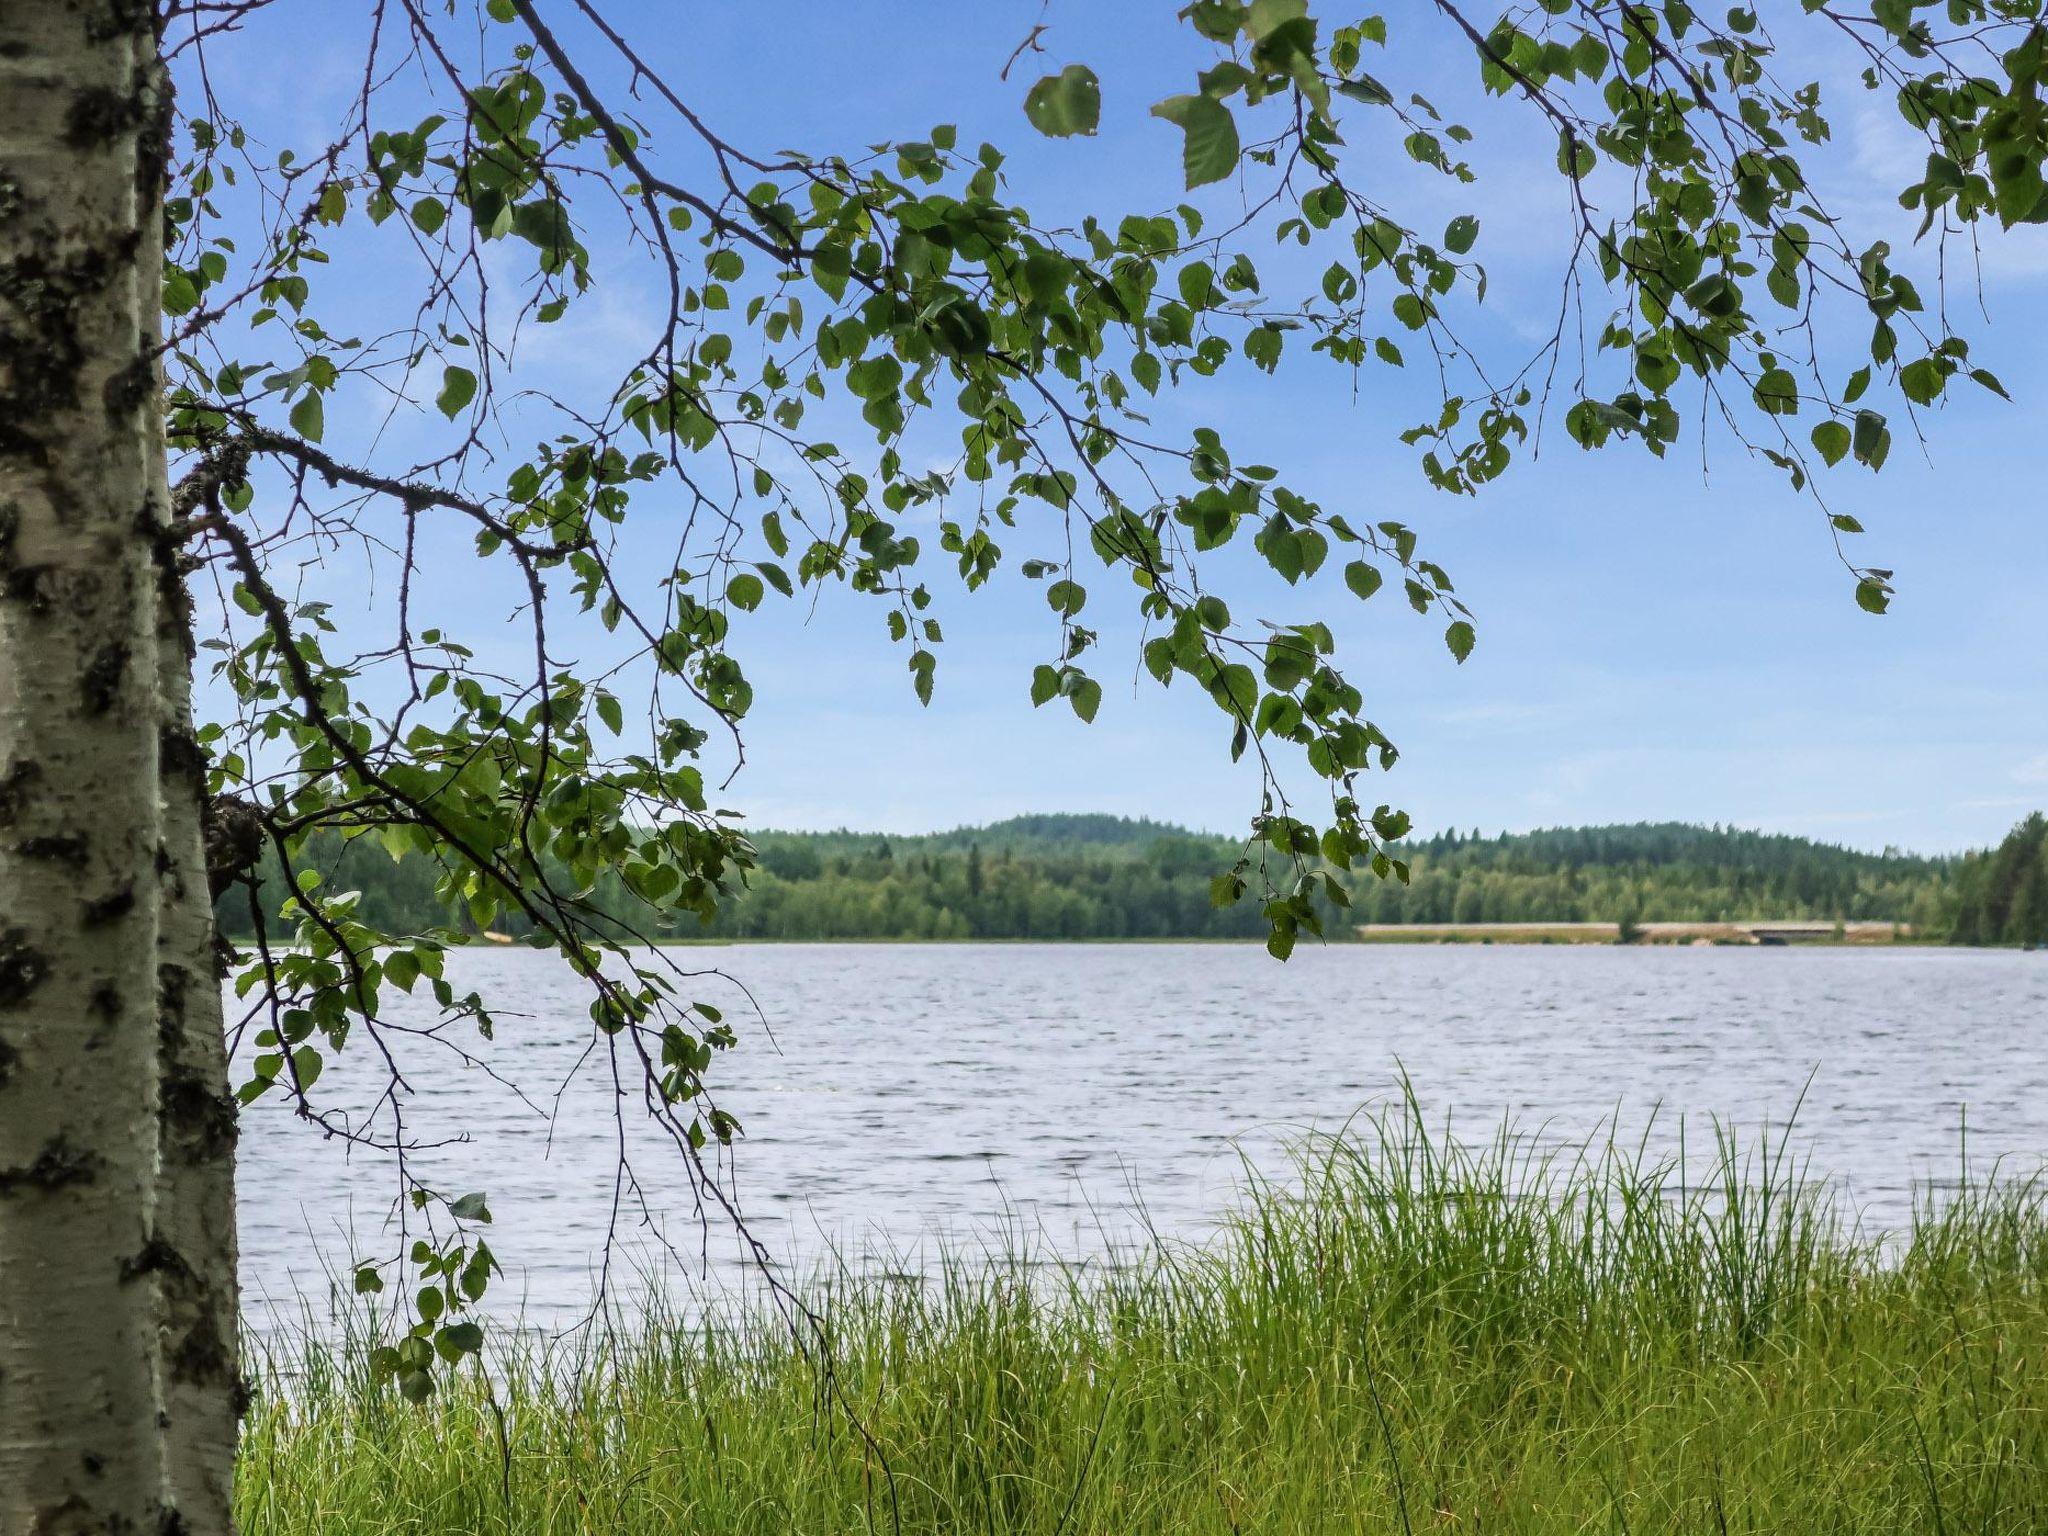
pixel 1073 1094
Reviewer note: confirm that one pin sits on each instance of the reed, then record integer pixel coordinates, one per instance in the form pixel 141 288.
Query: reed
pixel 1413 1334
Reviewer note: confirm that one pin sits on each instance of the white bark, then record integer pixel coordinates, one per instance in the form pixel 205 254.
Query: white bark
pixel 195 1219
pixel 81 1446
pixel 199 1364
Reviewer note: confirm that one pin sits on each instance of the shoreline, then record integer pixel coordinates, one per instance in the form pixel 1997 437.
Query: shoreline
pixel 1419 934
pixel 1430 934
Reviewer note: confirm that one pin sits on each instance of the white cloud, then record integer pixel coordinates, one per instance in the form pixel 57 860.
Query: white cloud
pixel 2033 771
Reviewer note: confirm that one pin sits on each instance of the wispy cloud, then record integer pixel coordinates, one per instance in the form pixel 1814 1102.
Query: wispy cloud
pixel 2033 771
pixel 1889 156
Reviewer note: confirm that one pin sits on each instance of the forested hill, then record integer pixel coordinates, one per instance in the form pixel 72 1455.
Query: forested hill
pixel 1076 877
pixel 1659 872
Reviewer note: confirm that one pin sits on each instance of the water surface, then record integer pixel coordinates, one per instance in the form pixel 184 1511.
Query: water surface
pixel 982 1091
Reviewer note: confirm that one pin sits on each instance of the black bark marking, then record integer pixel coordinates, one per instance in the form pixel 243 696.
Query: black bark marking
pixel 200 1355
pixel 201 1120
pixel 153 141
pixel 59 1165
pixel 9 1059
pixel 98 115
pixel 120 18
pixel 22 967
pixel 24 583
pixel 179 753
pixel 101 684
pixel 56 848
pixel 110 907
pixel 156 1257
pixel 197 1117
pixel 15 787
pixel 127 389
pixel 41 356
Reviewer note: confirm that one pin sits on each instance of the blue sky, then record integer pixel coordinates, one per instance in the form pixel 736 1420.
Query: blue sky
pixel 1657 640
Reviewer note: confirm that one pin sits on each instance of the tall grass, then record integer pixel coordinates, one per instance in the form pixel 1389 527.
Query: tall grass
pixel 1413 1335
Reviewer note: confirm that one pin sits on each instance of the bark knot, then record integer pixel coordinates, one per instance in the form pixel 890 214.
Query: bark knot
pixel 234 830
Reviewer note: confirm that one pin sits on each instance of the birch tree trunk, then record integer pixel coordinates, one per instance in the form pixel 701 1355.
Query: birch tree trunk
pixel 81 1444
pixel 195 1217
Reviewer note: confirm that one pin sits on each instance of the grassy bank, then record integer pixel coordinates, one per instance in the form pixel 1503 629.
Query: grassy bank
pixel 1422 1337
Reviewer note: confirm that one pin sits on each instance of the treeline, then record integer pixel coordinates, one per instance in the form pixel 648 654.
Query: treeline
pixel 1658 872
pixel 1108 877
pixel 2001 897
pixel 1034 877
pixel 1038 877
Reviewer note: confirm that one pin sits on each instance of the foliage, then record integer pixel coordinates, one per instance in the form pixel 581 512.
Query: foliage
pixel 1427 1335
pixel 878 371
pixel 1105 877
pixel 2002 895
pixel 1657 872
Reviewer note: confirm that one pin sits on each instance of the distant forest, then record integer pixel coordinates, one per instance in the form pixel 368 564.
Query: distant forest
pixel 1109 877
pixel 2001 897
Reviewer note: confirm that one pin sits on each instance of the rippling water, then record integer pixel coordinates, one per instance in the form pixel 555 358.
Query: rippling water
pixel 974 1091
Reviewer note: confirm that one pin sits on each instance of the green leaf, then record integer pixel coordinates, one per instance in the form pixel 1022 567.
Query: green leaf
pixel 1871 596
pixel 1086 698
pixel 1237 690
pixel 471 1207
pixel 1460 233
pixel 1921 381
pixel 1362 579
pixel 1065 104
pixel 745 591
pixel 181 294
pixel 1831 441
pixel 458 388
pixel 1268 16
pixel 1209 152
pixel 1459 638
pixel 309 417
pixel 1777 392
